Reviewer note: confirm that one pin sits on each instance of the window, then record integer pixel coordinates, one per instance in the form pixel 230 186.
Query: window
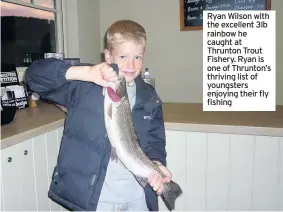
pixel 30 28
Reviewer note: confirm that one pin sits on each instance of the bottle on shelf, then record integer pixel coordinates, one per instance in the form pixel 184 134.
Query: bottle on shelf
pixel 146 76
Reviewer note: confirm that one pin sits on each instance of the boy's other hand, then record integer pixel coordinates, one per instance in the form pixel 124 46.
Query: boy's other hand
pixel 102 74
pixel 156 181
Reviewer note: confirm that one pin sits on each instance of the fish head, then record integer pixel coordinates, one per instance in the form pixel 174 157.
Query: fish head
pixel 117 90
pixel 114 96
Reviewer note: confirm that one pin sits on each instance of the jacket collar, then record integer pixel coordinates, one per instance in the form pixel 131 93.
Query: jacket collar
pixel 145 94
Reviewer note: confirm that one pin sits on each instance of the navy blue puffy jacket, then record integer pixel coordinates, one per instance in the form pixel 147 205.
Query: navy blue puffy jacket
pixel 85 149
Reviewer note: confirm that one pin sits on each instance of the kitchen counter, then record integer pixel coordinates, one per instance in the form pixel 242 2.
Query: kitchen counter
pixel 190 117
pixel 32 122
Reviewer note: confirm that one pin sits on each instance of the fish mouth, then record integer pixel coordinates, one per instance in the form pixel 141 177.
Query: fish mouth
pixel 113 95
pixel 119 90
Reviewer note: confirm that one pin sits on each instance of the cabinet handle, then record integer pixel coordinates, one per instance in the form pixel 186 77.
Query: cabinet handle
pixel 9 159
pixel 25 152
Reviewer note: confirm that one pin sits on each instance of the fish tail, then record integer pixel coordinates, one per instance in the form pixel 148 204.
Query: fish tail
pixel 170 192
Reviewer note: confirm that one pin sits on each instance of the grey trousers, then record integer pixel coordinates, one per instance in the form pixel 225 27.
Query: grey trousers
pixel 136 205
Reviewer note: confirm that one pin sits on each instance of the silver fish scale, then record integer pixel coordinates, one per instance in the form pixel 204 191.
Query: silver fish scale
pixel 129 139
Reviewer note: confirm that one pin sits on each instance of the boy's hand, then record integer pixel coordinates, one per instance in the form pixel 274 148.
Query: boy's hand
pixel 101 74
pixel 156 181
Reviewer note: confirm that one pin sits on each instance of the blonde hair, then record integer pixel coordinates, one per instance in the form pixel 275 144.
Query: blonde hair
pixel 125 30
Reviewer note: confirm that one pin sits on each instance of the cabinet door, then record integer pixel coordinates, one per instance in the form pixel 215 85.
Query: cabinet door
pixel 175 148
pixel 52 138
pixel 41 175
pixel 27 175
pixel 266 182
pixel 2 208
pixel 11 179
pixel 195 172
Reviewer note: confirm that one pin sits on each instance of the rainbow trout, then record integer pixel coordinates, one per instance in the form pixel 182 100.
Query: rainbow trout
pixel 125 143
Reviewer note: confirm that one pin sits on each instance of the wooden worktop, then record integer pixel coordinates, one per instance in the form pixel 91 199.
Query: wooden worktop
pixel 32 122
pixel 192 113
pixel 190 117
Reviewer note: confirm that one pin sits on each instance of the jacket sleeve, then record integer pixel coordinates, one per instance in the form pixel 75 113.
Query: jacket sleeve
pixel 47 78
pixel 155 149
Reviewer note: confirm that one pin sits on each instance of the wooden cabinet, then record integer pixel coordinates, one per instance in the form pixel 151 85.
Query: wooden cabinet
pixel 27 175
pixel 225 171
pixel 26 172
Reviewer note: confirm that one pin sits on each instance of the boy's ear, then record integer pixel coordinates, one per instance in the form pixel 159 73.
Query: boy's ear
pixel 107 56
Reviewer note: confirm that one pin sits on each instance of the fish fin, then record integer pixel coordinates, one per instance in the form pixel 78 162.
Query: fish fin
pixel 170 192
pixel 110 111
pixel 142 180
pixel 114 155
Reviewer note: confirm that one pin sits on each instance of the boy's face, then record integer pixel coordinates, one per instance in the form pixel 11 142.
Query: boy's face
pixel 129 58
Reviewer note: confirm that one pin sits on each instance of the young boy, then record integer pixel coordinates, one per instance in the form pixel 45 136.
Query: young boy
pixel 84 177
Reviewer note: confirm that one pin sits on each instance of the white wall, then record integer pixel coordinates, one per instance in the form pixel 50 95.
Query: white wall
pixel 175 57
pixel 82 29
pixel 89 21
